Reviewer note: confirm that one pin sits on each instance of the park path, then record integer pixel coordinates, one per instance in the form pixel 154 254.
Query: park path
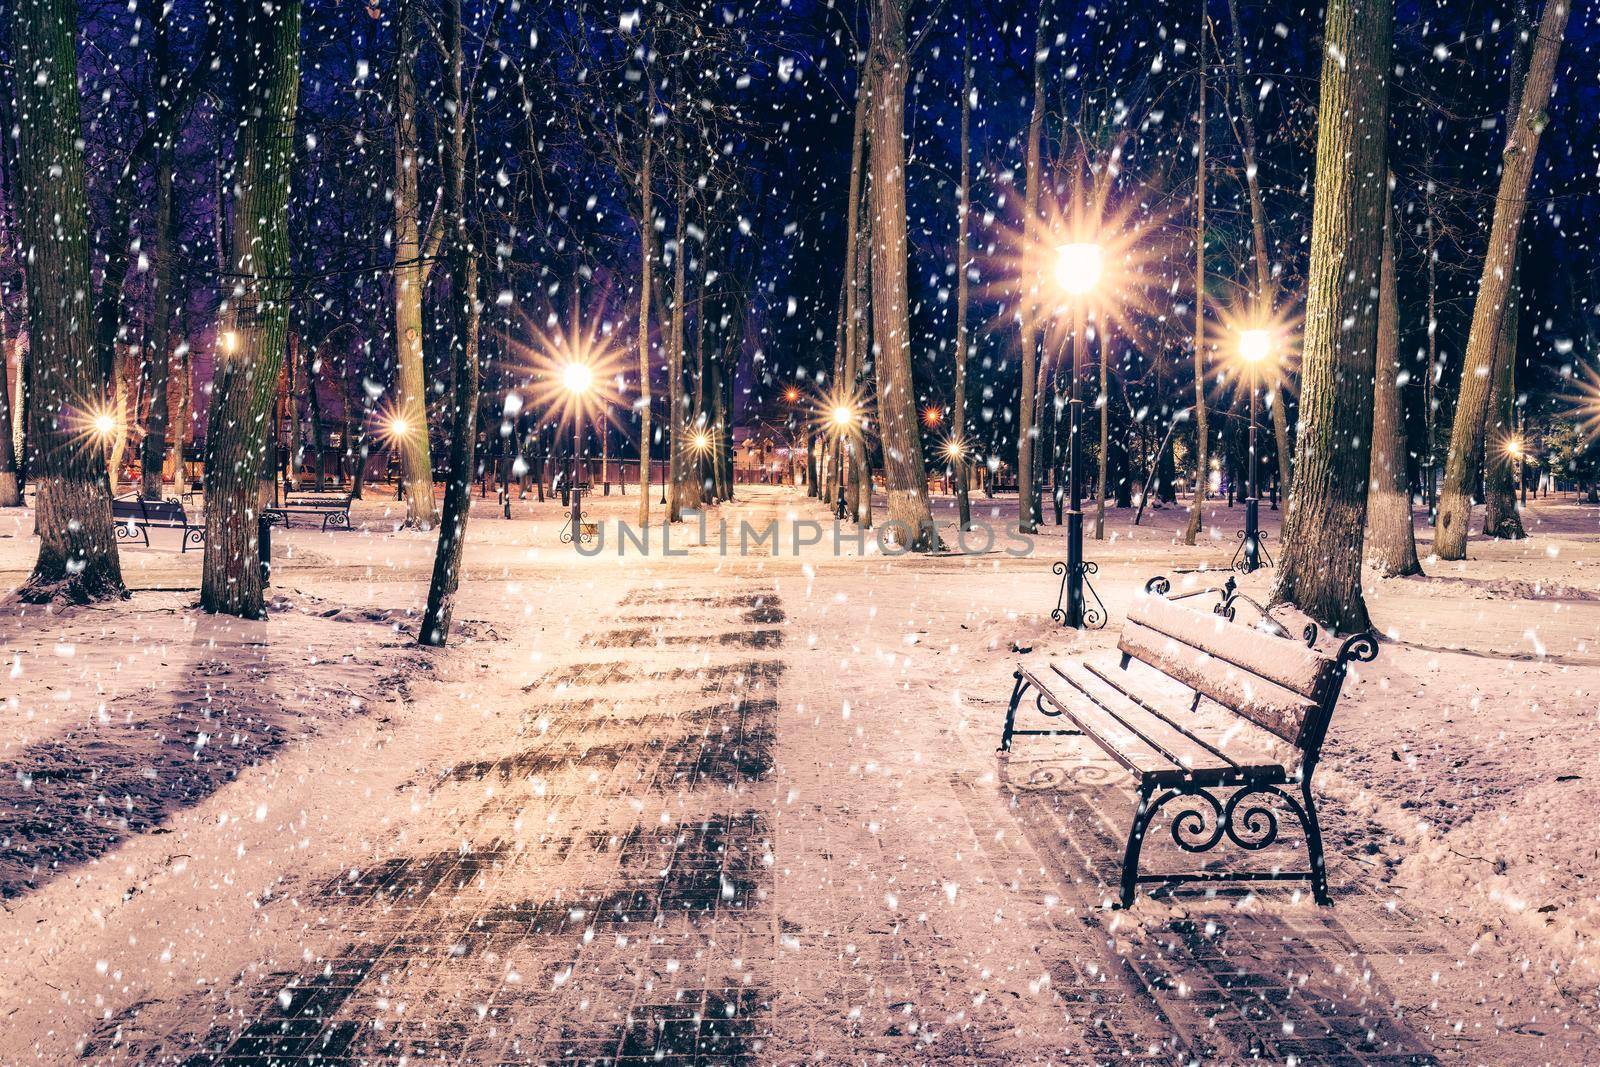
pixel 715 810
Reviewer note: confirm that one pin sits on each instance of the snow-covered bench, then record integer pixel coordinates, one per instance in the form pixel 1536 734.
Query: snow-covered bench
pixel 1225 789
pixel 332 508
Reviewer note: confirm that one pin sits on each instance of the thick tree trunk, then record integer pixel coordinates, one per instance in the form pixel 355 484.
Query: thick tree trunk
pixel 411 403
pixel 77 548
pixel 1500 464
pixel 1027 431
pixel 958 416
pixel 1202 431
pixel 1391 542
pixel 1265 288
pixel 1488 313
pixel 463 261
pixel 1320 566
pixel 897 405
pixel 255 326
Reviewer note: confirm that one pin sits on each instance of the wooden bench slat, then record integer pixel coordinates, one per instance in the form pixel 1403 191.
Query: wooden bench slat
pixel 1288 663
pixel 1113 738
pixel 1261 700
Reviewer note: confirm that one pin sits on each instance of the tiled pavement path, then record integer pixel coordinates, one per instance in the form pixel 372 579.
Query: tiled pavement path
pixel 555 931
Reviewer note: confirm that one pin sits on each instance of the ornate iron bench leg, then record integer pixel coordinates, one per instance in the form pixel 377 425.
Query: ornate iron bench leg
pixel 1130 856
pixel 1319 864
pixel 1011 712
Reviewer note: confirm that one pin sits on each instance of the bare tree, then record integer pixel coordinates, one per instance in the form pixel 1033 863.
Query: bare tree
pixel 1500 518
pixel 897 408
pixel 1265 295
pixel 958 416
pixel 256 322
pixel 1027 432
pixel 1202 431
pixel 1320 567
pixel 77 548
pixel 1483 339
pixel 1391 541
pixel 412 263
pixel 463 263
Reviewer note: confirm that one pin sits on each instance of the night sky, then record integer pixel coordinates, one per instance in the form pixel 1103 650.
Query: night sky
pixel 557 94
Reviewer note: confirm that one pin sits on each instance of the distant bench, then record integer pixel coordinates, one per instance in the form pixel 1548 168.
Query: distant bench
pixel 332 508
pixel 134 516
pixel 1273 682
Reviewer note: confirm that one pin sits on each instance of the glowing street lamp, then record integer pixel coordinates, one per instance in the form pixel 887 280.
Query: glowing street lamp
pixel 577 379
pixel 1255 348
pixel 105 426
pixel 1079 267
pixel 842 417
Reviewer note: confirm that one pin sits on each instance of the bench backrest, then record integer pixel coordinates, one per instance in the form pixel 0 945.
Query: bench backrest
pixel 1276 683
pixel 317 500
pixel 164 511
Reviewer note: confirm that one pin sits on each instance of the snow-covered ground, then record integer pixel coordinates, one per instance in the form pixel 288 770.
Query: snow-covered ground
pixel 708 807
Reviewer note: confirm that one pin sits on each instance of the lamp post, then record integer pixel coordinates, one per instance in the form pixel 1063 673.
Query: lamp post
pixel 1255 346
pixel 1078 268
pixel 578 379
pixel 842 417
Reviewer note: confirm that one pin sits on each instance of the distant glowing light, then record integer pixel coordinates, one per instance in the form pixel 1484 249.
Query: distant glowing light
pixel 578 378
pixel 791 394
pixel 230 341
pixel 843 416
pixel 700 442
pixel 932 416
pixel 105 425
pixel 1079 266
pixel 1255 345
pixel 954 449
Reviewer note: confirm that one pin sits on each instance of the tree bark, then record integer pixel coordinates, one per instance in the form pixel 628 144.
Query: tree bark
pixel 1265 288
pixel 463 261
pixel 10 487
pixel 1522 146
pixel 411 403
pixel 1500 517
pixel 255 325
pixel 1319 568
pixel 678 458
pixel 646 254
pixel 78 559
pixel 958 416
pixel 1391 541
pixel 1027 431
pixel 897 408
pixel 1202 431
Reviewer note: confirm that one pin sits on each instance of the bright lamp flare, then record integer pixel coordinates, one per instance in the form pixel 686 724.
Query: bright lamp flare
pixel 954 449
pixel 399 427
pixel 1514 447
pixel 577 377
pixel 843 416
pixel 105 425
pixel 701 441
pixel 1255 345
pixel 1079 266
